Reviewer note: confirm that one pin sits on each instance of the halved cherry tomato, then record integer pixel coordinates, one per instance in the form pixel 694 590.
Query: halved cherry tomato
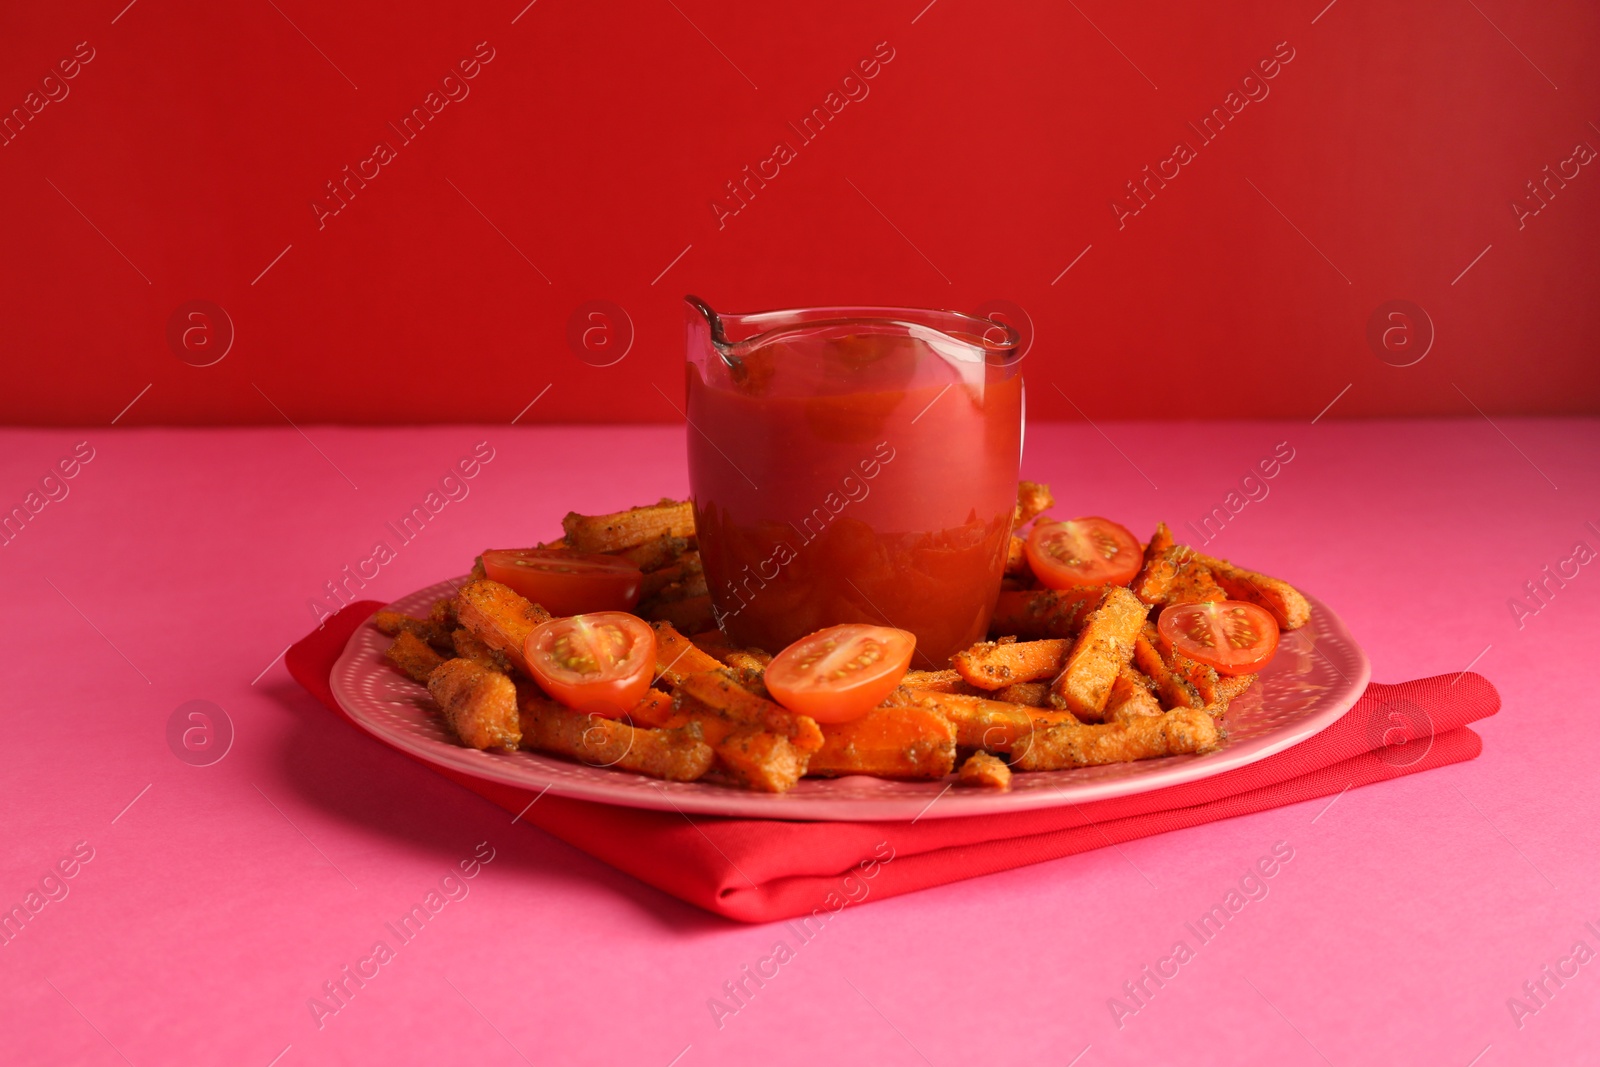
pixel 840 673
pixel 1086 551
pixel 1230 635
pixel 566 583
pixel 600 663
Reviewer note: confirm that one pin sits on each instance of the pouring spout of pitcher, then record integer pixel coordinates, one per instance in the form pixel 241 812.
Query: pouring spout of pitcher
pixel 719 336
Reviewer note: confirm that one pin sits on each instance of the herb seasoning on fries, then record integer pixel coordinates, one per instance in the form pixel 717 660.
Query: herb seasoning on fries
pixel 1101 650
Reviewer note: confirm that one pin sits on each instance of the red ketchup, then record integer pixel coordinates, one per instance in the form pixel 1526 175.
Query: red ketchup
pixel 853 465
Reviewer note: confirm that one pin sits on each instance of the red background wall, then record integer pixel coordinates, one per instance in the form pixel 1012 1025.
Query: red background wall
pixel 184 158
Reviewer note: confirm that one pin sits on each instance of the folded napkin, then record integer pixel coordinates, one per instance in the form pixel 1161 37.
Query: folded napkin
pixel 759 870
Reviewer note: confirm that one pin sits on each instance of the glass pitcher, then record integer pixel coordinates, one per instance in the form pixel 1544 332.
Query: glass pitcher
pixel 853 464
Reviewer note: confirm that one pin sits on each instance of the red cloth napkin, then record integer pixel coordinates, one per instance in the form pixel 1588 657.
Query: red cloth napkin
pixel 759 870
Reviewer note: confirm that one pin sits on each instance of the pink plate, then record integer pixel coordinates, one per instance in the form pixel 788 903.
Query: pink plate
pixel 1316 677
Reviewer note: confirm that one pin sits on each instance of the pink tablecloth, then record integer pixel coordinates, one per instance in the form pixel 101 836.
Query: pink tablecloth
pixel 271 885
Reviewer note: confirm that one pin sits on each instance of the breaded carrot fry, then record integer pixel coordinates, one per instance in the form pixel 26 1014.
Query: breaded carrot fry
pixel 1230 687
pixel 654 582
pixel 719 691
pixel 760 755
pixel 986 772
pixel 478 573
pixel 414 656
pixel 1199 678
pixel 1193 584
pixel 1227 689
pixel 1103 648
pixel 393 623
pixel 469 647
pixel 1173 690
pixel 1284 601
pixel 479 704
pixel 750 672
pixel 1031 694
pixel 745 662
pixel 627 529
pixel 685 572
pixel 685 588
pixel 655 554
pixel 1033 499
pixel 761 656
pixel 949 681
pixel 1017 559
pixel 676 755
pixel 1161 540
pixel 500 618
pixel 889 743
pixel 979 723
pixel 655 709
pixel 443 616
pixel 677 656
pixel 1131 697
pixel 1172 733
pixel 1041 613
pixel 1159 568
pixel 988 665
pixel 761 760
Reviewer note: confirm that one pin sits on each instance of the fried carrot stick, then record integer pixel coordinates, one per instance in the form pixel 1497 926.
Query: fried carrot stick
pixel 986 771
pixel 988 665
pixel 655 554
pixel 1103 648
pixel 1194 583
pixel 1032 694
pixel 1172 733
pixel 676 755
pixel 761 760
pixel 747 663
pixel 980 723
pixel 948 681
pixel 1033 499
pixel 479 704
pixel 393 623
pixel 718 691
pixel 1034 614
pixel 1160 567
pixel 469 647
pixel 888 743
pixel 685 575
pixel 443 614
pixel 769 755
pixel 677 657
pixel 1286 603
pixel 1201 677
pixel 1174 691
pixel 655 709
pixel 500 618
pixel 1230 687
pixel 628 529
pixel 414 656
pixel 1017 565
pixel 1131 697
